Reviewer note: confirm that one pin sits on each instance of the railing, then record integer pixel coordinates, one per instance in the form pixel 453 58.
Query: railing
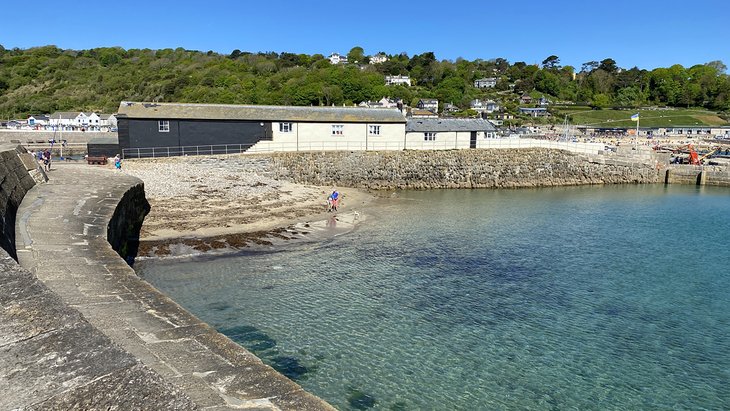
pixel 272 147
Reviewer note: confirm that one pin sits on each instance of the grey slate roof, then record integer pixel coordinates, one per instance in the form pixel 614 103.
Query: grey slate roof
pixel 259 113
pixel 68 115
pixel 448 124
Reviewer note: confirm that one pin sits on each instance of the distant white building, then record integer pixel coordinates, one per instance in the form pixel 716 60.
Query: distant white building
pixel 384 102
pixel 393 80
pixel 73 119
pixel 336 58
pixel 481 106
pixel 378 58
pixel 37 120
pixel 487 82
pixel 108 120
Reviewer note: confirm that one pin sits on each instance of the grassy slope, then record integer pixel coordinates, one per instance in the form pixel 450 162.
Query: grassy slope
pixel 649 118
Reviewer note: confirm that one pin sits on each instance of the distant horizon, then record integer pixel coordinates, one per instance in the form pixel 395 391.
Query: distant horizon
pixel 647 34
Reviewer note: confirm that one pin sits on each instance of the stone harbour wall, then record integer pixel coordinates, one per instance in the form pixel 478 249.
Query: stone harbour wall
pixel 51 357
pixel 26 137
pixel 697 175
pixel 19 172
pixel 484 168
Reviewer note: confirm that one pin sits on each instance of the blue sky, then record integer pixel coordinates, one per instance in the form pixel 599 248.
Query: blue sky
pixel 647 34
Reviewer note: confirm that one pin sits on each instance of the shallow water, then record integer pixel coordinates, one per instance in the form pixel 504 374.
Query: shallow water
pixel 582 297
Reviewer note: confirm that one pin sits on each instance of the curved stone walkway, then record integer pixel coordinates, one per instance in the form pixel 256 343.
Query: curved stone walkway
pixel 61 238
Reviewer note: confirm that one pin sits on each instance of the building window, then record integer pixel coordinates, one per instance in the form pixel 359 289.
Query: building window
pixel 337 129
pixel 429 136
pixel 163 126
pixel 374 130
pixel 285 127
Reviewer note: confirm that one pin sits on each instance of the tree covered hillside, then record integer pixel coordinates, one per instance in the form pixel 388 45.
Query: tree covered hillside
pixel 47 79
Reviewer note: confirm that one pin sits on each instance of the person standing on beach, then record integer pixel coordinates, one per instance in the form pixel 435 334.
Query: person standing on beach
pixel 335 199
pixel 118 162
pixel 47 160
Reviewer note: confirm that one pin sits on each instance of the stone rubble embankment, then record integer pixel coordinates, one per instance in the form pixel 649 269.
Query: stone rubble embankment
pixel 488 168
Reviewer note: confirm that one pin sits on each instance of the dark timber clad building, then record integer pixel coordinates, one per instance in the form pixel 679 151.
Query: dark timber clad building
pixel 147 129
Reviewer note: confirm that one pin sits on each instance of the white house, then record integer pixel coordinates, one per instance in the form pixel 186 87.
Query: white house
pixel 487 82
pixel 37 120
pixel 93 121
pixel 64 118
pixel 393 80
pixel 481 106
pixel 378 58
pixel 108 120
pixel 448 133
pixel 336 58
pixel 385 102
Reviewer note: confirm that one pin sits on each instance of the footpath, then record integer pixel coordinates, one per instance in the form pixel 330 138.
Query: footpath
pixel 61 238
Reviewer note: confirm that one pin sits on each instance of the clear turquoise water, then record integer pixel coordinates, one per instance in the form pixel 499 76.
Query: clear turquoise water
pixel 562 298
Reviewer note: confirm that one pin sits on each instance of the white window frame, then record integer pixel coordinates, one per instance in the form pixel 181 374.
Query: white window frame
pixel 338 129
pixel 429 136
pixel 285 127
pixel 374 130
pixel 163 126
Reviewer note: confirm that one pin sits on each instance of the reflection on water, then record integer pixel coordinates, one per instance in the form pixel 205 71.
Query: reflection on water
pixel 585 298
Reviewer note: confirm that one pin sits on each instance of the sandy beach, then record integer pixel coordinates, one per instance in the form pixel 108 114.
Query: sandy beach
pixel 232 202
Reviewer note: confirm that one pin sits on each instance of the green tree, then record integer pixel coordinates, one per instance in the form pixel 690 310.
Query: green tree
pixel 356 55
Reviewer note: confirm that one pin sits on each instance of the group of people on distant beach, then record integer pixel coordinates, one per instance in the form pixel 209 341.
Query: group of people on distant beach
pixel 333 200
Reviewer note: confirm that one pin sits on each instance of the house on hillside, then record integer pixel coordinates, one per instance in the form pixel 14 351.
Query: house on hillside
pixel 378 58
pixel 451 108
pixel 154 129
pixel 429 104
pixel 394 80
pixel 534 111
pixel 384 102
pixel 487 82
pixel 482 106
pixel 421 113
pixel 448 133
pixel 336 58
pixel 525 99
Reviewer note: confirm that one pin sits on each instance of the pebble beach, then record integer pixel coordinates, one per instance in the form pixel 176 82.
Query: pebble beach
pixel 230 201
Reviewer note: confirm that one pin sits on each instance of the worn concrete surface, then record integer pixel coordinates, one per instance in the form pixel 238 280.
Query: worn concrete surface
pixel 61 238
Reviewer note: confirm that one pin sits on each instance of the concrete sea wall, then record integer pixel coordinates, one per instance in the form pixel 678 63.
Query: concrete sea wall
pixel 697 175
pixel 488 168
